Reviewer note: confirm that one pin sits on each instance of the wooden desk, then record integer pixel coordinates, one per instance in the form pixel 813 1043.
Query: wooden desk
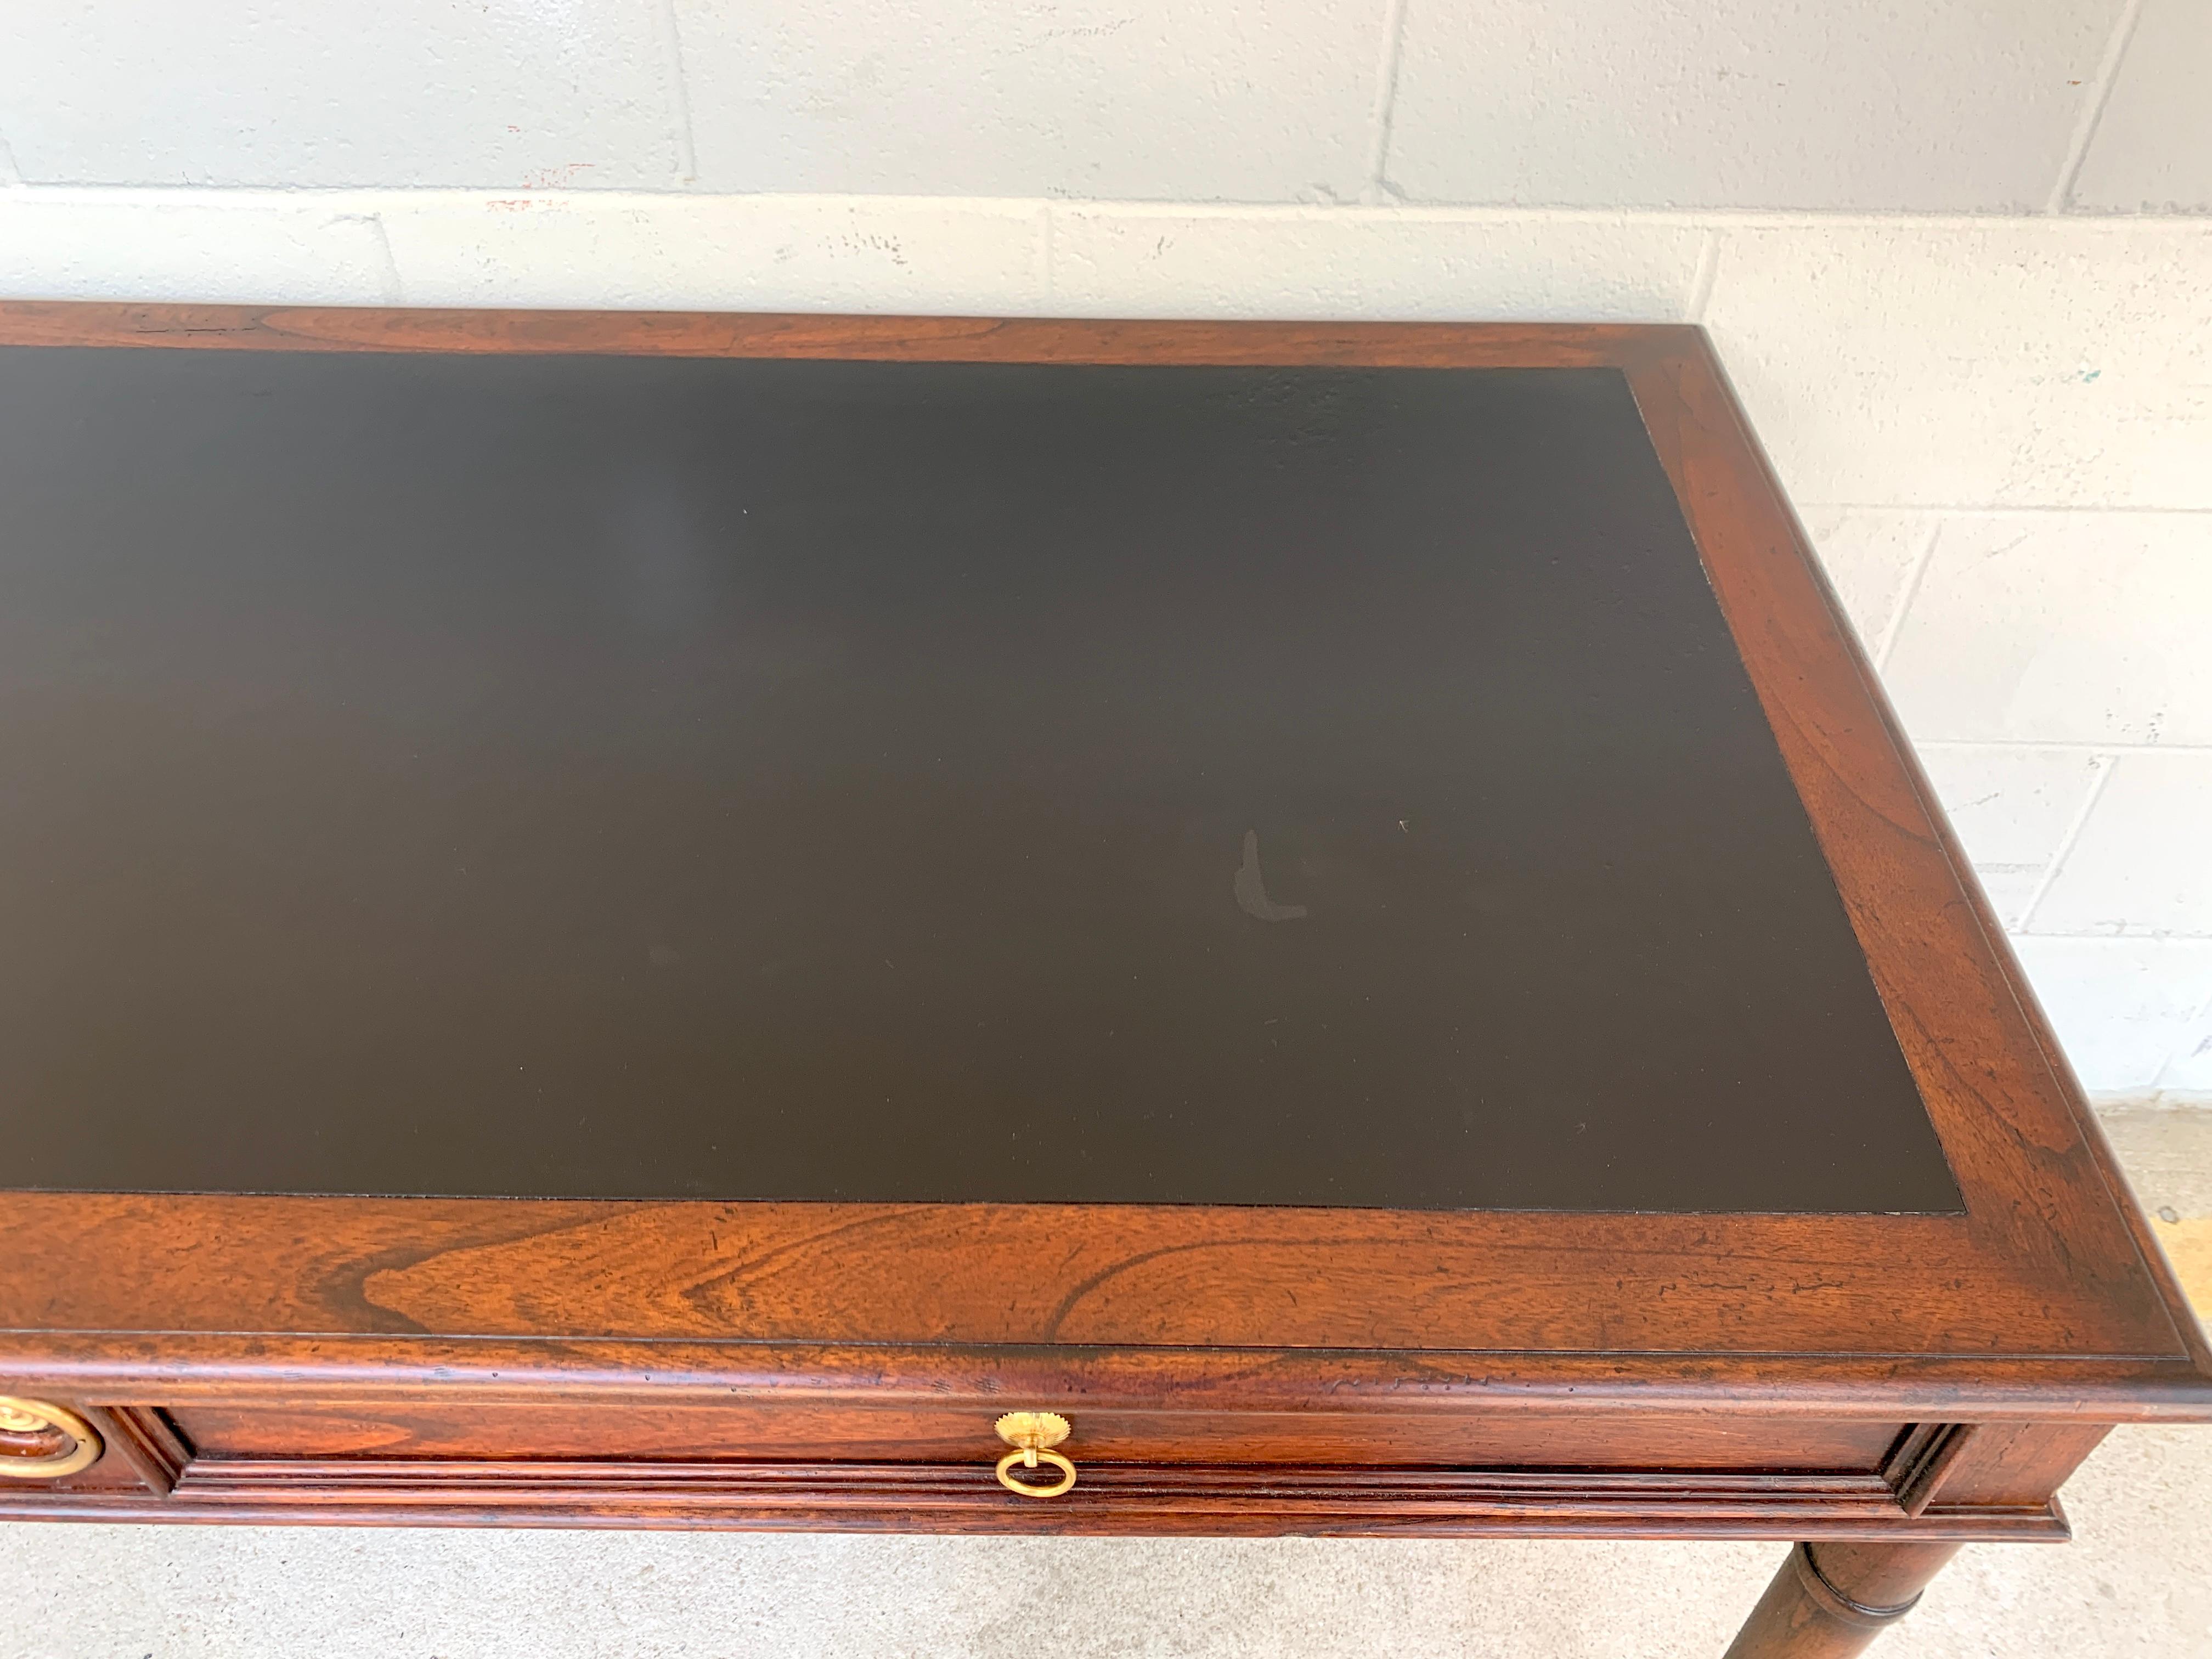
pixel 651 921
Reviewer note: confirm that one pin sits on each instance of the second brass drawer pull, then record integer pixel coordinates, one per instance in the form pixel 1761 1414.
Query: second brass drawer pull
pixel 1032 1435
pixel 36 1417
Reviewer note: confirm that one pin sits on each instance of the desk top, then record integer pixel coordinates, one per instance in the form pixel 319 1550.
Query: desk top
pixel 1401 794
pixel 750 779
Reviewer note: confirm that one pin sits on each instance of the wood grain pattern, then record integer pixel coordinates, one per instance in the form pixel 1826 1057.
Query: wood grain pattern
pixel 2016 1462
pixel 1923 1460
pixel 868 1432
pixel 330 1352
pixel 144 1442
pixel 901 339
pixel 1834 1600
pixel 104 1368
pixel 1094 1275
pixel 2011 1126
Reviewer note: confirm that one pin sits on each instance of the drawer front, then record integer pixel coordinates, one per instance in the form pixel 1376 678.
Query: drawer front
pixel 903 1434
pixel 935 1467
pixel 460 1458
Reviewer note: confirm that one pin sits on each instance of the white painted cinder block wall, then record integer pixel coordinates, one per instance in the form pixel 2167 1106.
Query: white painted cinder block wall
pixel 1957 254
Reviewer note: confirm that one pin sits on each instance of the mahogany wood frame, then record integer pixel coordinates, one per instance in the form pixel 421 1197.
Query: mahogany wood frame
pixel 1999 1342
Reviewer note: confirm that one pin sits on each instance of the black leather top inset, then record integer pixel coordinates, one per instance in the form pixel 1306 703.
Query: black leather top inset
pixel 488 775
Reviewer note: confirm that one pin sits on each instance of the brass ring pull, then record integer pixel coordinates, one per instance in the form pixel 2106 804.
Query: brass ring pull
pixel 36 1417
pixel 1030 1458
pixel 1032 1435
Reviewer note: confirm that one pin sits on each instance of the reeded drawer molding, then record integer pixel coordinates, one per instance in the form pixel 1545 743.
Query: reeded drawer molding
pixel 153 1471
pixel 1110 1499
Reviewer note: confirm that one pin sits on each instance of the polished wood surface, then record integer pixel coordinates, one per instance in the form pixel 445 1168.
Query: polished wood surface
pixel 446 1459
pixel 866 1432
pixel 1911 1294
pixel 804 335
pixel 2045 1263
pixel 1898 1381
pixel 1830 1599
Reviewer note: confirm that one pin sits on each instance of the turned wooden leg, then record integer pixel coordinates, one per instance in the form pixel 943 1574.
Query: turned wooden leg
pixel 1830 1599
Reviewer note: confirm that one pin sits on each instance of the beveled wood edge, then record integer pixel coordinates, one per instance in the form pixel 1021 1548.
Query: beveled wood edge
pixel 1924 1456
pixel 182 1368
pixel 145 1440
pixel 2192 1329
pixel 2006 1186
pixel 1650 354
pixel 825 335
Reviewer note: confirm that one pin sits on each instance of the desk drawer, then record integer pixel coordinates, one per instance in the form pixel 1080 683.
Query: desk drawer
pixel 931 1468
pixel 964 1435
pixel 464 1458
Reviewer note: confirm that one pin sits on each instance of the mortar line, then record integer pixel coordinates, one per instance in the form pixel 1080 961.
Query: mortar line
pixel 1990 510
pixel 395 290
pixel 1378 190
pixel 671 45
pixel 2064 746
pixel 1895 624
pixel 1701 285
pixel 2197 1022
pixel 2093 111
pixel 390 289
pixel 2107 764
pixel 2194 227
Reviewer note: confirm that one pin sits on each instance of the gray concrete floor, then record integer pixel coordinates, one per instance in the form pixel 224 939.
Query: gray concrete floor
pixel 2137 1579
